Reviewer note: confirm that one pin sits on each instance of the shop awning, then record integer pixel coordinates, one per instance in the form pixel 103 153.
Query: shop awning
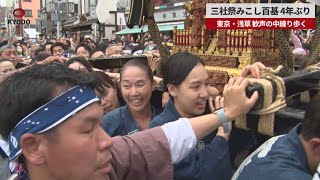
pixel 77 24
pixel 130 31
pixel 166 27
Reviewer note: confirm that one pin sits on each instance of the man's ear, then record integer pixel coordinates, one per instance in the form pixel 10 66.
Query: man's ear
pixel 32 148
pixel 314 144
pixel 172 90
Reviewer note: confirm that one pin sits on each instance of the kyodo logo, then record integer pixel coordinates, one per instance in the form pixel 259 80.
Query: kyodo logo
pixel 18 13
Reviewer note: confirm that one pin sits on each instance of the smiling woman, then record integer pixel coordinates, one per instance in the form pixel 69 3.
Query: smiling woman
pixel 136 83
pixel 187 81
pixel 51 117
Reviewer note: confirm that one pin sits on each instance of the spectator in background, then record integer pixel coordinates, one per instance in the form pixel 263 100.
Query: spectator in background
pixel 75 40
pixel 83 50
pixel 149 45
pixel 79 63
pixel 47 47
pixel 41 40
pixel 63 40
pixel 53 40
pixel 33 49
pixel 4 34
pixel 89 41
pixel 96 53
pixel 9 51
pixel 297 45
pixel 29 43
pixel 167 41
pixel 153 63
pixel 114 51
pixel 25 50
pixel 102 46
pixel 39 50
pixel 120 43
pixel 113 35
pixel 145 39
pixel 57 49
pixel 19 51
pixel 6 65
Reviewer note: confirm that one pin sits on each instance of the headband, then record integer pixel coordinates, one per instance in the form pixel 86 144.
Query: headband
pixel 50 115
pixel 8 45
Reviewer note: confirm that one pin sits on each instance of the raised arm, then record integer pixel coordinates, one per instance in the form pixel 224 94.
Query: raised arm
pixel 180 137
pixel 138 155
pixel 236 103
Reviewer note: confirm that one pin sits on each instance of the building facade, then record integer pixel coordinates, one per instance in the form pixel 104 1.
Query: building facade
pixel 3 13
pixel 31 8
pixel 60 17
pixel 168 14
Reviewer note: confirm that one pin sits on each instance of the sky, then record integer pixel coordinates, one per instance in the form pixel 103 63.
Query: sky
pixel 2 3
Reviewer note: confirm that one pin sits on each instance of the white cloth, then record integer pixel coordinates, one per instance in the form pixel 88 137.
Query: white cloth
pixel 299 51
pixel 138 52
pixel 4 146
pixel 181 138
pixel 317 174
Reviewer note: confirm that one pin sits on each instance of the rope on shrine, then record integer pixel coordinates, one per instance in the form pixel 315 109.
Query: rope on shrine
pixel 269 107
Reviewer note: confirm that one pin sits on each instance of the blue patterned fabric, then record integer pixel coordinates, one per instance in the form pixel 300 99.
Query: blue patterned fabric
pixel 281 157
pixel 210 159
pixel 50 115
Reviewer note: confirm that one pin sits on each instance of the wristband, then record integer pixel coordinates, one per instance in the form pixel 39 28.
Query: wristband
pixel 223 119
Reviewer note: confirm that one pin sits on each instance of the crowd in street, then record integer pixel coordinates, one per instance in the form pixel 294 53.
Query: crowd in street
pixel 62 118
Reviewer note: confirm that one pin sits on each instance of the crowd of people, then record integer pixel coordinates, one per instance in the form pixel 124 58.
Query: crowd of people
pixel 61 118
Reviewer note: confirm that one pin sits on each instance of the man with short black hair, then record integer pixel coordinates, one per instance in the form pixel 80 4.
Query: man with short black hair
pixel 4 34
pixel 47 47
pixel 9 51
pixel 41 40
pixel 58 48
pixel 51 116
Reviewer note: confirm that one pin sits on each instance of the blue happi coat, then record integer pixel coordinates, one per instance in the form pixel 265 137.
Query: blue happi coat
pixel 120 122
pixel 281 157
pixel 209 161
